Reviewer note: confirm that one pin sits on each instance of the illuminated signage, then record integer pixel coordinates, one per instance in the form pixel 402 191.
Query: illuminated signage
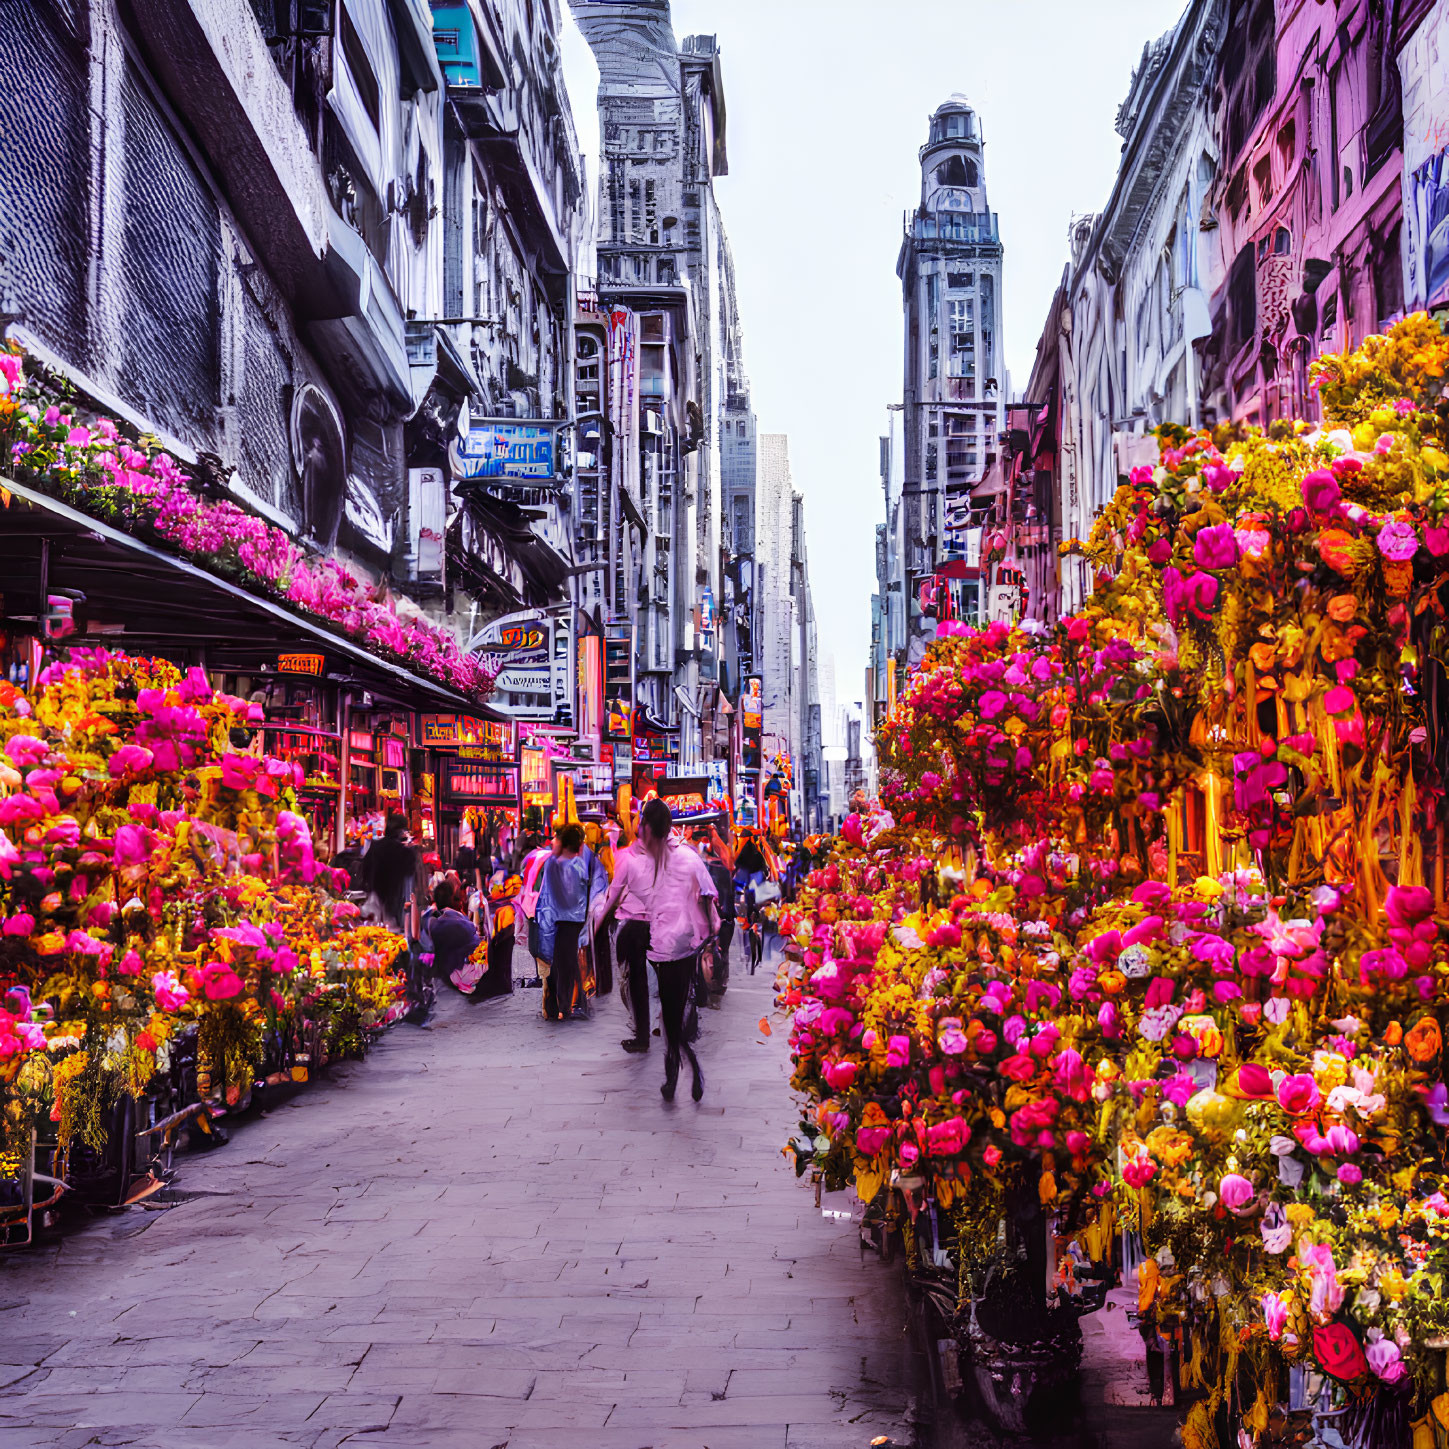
pixel 488 782
pixel 299 664
pixel 522 452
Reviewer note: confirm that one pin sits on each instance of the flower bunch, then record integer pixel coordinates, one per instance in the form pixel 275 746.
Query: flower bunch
pixel 153 881
pixel 1156 933
pixel 88 463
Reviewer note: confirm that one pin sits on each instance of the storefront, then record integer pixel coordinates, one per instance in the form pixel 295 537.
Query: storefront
pixel 342 712
pixel 472 766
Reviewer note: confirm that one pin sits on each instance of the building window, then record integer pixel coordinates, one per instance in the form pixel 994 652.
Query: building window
pixel 957 171
pixel 360 67
pixel 959 281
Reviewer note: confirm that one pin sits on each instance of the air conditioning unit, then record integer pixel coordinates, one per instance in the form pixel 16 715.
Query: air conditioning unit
pixel 652 424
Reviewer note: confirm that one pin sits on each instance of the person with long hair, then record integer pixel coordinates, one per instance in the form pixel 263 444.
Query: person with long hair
pixel 682 916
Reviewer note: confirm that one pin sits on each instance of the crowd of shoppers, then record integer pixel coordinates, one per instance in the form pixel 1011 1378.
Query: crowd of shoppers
pixel 634 890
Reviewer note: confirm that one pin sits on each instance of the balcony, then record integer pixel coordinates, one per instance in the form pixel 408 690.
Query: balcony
pixel 969 228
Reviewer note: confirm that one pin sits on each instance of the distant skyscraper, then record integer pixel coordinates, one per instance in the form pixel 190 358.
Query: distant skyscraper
pixel 954 387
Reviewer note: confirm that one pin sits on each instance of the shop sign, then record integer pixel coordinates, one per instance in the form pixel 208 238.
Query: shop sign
pixel 533 767
pixel 687 797
pixel 483 782
pixel 508 451
pixel 590 681
pixel 529 654
pixel 752 716
pixel 300 664
pixel 465 732
pixel 719 783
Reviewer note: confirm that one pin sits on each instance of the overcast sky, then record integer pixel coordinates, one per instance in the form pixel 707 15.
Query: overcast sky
pixel 828 103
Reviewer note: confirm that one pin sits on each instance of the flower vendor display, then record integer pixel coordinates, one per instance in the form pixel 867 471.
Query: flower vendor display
pixel 88 463
pixel 1148 933
pixel 159 892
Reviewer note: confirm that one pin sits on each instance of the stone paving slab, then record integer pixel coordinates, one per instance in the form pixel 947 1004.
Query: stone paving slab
pixel 493 1234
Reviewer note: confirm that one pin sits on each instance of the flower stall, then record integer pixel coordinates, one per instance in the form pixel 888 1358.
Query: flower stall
pixel 1141 964
pixel 169 943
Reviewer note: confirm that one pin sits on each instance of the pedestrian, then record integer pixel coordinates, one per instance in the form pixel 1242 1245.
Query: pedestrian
pixel 454 938
pixel 530 872
pixel 565 886
pixel 600 853
pixel 681 918
pixel 389 873
pixel 631 946
pixel 724 885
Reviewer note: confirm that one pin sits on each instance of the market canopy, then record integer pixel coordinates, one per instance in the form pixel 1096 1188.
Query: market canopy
pixel 141 598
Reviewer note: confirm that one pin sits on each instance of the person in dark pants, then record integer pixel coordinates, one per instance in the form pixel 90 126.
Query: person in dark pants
pixel 681 918
pixel 563 907
pixel 633 948
pixel 389 871
pixel 724 884
pixel 631 903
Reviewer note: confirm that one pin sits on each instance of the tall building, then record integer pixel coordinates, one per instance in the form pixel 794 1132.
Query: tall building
pixel 954 384
pixel 664 271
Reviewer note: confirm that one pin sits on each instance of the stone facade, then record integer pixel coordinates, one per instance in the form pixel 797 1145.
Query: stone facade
pixel 278 237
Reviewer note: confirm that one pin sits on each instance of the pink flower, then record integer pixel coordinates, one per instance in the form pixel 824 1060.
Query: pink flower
pixel 870 1140
pixel 1321 491
pixel 1398 542
pixel 1386 1360
pixel 1298 1095
pixel 1339 700
pixel 1275 1315
pixel 170 994
pixel 22 923
pixel 1327 1292
pixel 1216 547
pixel 1349 1174
pixel 898 1051
pixel 1236 1193
pixel 220 983
pixel 952 1040
pixel 26 749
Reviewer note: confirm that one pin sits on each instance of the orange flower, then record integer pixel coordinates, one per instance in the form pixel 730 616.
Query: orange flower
pixel 1342 607
pixel 1424 1040
pixel 1334 550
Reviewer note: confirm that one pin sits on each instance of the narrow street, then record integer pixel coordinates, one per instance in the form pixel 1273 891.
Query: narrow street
pixel 490 1233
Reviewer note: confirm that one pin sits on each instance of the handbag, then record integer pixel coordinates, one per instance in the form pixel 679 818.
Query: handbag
pixel 767 893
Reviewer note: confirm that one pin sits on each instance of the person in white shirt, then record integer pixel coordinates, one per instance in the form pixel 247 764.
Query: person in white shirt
pixel 672 881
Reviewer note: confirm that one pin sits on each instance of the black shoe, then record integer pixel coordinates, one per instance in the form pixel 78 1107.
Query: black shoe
pixel 697 1090
pixel 666 1090
pixel 635 1043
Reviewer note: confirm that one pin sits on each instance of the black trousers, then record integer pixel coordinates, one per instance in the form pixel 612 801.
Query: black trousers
pixel 722 953
pixel 633 948
pixel 675 980
pixel 603 963
pixel 564 974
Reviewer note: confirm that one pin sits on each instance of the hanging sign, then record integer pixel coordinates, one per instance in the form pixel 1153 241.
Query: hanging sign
pixel 299 664
pixel 507 450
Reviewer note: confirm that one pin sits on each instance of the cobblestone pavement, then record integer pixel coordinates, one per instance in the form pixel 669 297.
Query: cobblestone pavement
pixel 491 1233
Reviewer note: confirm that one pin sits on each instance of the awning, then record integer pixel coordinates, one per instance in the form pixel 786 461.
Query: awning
pixel 992 484
pixel 143 600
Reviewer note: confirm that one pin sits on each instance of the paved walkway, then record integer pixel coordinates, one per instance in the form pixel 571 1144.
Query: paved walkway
pixel 491 1233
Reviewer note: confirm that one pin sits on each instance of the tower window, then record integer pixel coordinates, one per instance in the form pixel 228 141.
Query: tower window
pixel 958 171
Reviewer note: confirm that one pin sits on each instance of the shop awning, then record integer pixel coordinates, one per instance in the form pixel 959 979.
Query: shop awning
pixel 145 601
